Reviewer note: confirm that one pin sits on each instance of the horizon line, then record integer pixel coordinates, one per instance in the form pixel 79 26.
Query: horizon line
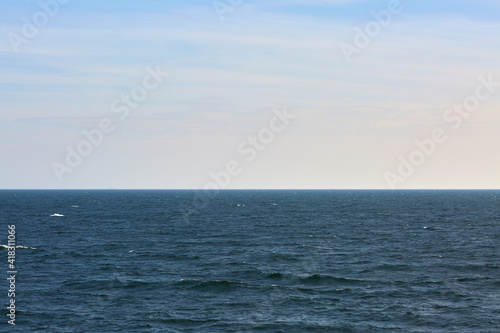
pixel 247 189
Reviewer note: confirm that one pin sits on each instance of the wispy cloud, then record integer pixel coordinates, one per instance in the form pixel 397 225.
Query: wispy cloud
pixel 226 76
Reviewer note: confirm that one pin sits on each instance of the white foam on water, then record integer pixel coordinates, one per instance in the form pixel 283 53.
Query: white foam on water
pixel 17 247
pixel 56 214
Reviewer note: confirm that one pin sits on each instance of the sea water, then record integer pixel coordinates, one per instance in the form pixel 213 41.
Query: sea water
pixel 253 261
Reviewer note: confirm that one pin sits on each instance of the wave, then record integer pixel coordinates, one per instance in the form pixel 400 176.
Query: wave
pixel 313 279
pixel 276 275
pixel 210 284
pixel 56 215
pixel 17 247
pixel 432 228
pixel 111 284
pixel 318 278
pixel 393 267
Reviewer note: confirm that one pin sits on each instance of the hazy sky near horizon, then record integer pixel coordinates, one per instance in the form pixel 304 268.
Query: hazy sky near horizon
pixel 355 121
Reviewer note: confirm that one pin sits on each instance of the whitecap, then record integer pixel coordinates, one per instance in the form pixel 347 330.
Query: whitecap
pixel 57 215
pixel 17 247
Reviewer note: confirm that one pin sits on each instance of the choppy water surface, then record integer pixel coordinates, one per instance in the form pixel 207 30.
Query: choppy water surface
pixel 255 261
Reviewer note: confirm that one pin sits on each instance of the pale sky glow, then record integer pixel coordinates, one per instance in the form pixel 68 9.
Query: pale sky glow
pixel 227 78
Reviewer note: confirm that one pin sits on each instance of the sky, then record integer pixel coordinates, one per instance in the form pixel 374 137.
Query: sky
pixel 296 94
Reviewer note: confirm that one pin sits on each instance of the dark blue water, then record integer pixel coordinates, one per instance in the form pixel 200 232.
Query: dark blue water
pixel 254 261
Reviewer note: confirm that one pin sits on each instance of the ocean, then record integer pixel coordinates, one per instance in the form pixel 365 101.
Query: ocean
pixel 251 261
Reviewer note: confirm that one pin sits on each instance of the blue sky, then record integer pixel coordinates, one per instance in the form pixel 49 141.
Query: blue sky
pixel 226 77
